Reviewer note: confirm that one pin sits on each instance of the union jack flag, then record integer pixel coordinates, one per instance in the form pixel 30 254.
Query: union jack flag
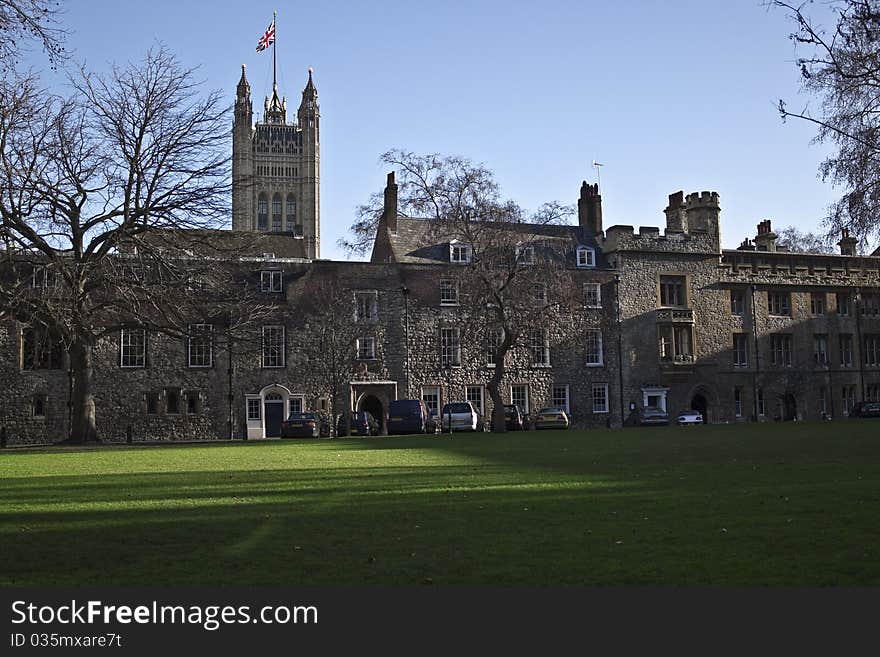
pixel 267 39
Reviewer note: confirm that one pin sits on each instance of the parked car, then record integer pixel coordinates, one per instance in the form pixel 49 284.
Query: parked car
pixel 362 424
pixel 552 417
pixel 866 409
pixel 409 416
pixel 688 417
pixel 654 416
pixel 462 416
pixel 514 418
pixel 305 425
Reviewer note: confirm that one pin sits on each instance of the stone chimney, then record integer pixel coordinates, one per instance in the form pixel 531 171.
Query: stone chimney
pixel 389 211
pixel 676 218
pixel 765 240
pixel 590 209
pixel 847 244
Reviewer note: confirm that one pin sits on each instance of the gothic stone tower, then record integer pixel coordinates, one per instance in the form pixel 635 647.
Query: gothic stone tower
pixel 276 166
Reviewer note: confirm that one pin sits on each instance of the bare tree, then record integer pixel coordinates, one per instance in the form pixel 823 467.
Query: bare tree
pixel 514 277
pixel 804 242
pixel 99 193
pixel 840 65
pixel 30 20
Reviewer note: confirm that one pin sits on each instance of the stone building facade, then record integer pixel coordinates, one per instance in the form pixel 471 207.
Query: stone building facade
pixel 756 333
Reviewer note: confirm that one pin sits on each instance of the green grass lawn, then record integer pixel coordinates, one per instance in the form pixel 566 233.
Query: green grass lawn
pixel 793 504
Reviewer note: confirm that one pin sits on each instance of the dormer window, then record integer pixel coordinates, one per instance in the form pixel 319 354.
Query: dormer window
pixel 586 257
pixel 459 253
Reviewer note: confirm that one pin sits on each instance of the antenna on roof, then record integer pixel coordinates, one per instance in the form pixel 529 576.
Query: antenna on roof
pixel 596 165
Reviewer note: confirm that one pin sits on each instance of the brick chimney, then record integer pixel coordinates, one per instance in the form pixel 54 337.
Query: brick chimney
pixel 389 209
pixel 676 218
pixel 847 244
pixel 590 209
pixel 765 240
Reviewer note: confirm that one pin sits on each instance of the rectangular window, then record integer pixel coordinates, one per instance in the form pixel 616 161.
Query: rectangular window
pixel 817 304
pixel 539 292
pixel 559 396
pixel 600 397
pixel 672 291
pixel 450 348
pixel 519 396
pixel 192 403
pixel 872 350
pixel 431 397
pixel 271 280
pixel 761 402
pixel 594 347
pixel 296 404
pixel 737 302
pixel 820 350
pixel 152 399
pixel 133 346
pixel 41 349
pixel 780 350
pixel 366 306
pixel 42 277
pixel 459 253
pixel 539 347
pixel 593 295
pixel 172 401
pixel 737 401
pixel 448 293
pixel 676 343
pixel 366 348
pixel 474 394
pixel 740 350
pixel 38 405
pixel 848 398
pixel 823 402
pixel 872 392
pixel 846 350
pixel 525 255
pixel 273 346
pixel 843 304
pixel 493 341
pixel 200 347
pixel 253 410
pixel 779 303
pixel 870 305
pixel 586 257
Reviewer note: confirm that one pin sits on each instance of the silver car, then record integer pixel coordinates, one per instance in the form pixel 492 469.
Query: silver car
pixel 462 416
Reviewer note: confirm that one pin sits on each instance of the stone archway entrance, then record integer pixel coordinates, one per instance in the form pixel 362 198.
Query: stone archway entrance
pixel 789 408
pixel 700 403
pixel 372 405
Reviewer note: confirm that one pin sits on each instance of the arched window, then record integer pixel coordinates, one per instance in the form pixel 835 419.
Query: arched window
pixel 291 213
pixel 262 213
pixel 276 213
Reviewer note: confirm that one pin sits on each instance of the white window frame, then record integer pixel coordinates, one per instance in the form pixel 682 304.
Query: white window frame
pixel 601 350
pixel 432 392
pixel 271 280
pixel 604 388
pixel 264 345
pixel 737 302
pixel 845 349
pixel 140 360
pixel 525 388
pixel 447 285
pixel 478 401
pixel 494 337
pixel 741 356
pixel 444 347
pixel 597 300
pixel 543 346
pixel 820 349
pixel 459 254
pixel 364 353
pixel 370 312
pixel 782 301
pixel 254 403
pixel 585 257
pixel 207 333
pixel 817 304
pixel 561 386
pixel 525 254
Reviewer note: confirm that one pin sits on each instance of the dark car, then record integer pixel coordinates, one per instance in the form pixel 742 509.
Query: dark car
pixel 514 418
pixel 653 416
pixel 866 409
pixel 408 416
pixel 305 425
pixel 362 424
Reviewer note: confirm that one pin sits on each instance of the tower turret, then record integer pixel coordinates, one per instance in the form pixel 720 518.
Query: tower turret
pixel 242 156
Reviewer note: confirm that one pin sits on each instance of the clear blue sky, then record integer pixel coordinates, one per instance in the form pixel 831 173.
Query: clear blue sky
pixel 667 95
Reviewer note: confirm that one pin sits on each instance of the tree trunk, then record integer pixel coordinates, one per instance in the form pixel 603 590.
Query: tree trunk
pixel 498 420
pixel 83 429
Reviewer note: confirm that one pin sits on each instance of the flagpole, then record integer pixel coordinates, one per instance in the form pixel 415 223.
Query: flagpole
pixel 274 53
